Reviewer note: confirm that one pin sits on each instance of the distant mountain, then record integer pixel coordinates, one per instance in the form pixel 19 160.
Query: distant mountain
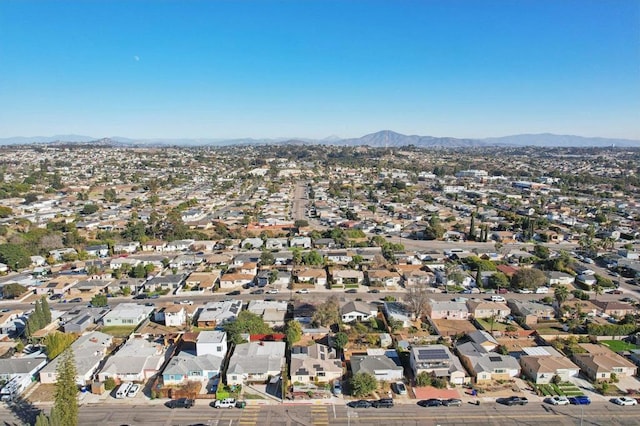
pixel 384 138
pixel 549 139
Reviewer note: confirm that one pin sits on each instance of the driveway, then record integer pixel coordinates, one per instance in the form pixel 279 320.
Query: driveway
pixel 626 383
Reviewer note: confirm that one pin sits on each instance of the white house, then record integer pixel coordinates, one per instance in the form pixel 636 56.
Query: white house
pixel 127 314
pixel 357 311
pixel 137 360
pixel 255 362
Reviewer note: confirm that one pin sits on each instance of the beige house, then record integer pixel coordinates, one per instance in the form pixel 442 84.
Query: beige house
pixel 231 280
pixel 485 309
pixel 316 276
pixel 314 364
pixel 542 363
pixel 600 362
pixel 203 280
pixel 343 277
pixel 383 278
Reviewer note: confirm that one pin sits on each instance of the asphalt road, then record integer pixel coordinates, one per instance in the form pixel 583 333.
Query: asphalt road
pixel 535 413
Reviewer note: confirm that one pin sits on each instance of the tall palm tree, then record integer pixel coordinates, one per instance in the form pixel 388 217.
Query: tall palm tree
pixel 561 293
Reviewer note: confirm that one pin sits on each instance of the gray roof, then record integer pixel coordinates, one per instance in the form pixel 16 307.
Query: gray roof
pixel 257 358
pixel 12 366
pixel 211 336
pixel 185 362
pixel 373 363
pixel 88 351
pixel 356 306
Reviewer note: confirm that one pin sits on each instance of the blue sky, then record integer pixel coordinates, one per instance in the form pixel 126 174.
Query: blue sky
pixel 223 69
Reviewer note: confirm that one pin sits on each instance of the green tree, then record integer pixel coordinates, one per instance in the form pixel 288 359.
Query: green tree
pixel 99 300
pixel 65 405
pixel 529 278
pixel 561 293
pixel 5 212
pixel 293 332
pixel 109 383
pixel 301 223
pixel 267 258
pixel 88 209
pixel 56 343
pixel 423 379
pixel 327 313
pixel 46 310
pixel 15 256
pixel 363 384
pixel 312 258
pixel 42 419
pixel 13 290
pixel 340 340
pixel 498 280
pixel 246 322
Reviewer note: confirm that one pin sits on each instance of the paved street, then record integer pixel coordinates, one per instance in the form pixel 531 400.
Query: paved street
pixel 535 413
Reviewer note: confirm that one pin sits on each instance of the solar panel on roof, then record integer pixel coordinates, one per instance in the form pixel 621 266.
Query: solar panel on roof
pixel 495 359
pixel 426 354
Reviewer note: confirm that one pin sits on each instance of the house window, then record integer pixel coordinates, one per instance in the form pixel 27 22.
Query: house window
pixel 321 374
pixel 603 375
pixel 499 371
pixel 219 348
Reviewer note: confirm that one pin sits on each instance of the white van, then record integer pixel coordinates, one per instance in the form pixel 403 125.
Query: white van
pixel 542 290
pixel 497 298
pixel 123 389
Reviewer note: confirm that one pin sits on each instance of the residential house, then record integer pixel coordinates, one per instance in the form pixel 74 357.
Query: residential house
pixel 17 374
pixel 477 356
pixel 272 312
pixel 212 342
pixel 131 285
pixel 383 278
pixel 486 309
pixel 599 362
pixel 137 360
pixel 542 363
pixel 59 285
pixel 382 367
pixel 165 283
pixel 437 360
pixel 127 314
pixel 119 262
pixel 154 245
pixel 447 309
pixel 179 245
pixel 252 243
pixel 186 261
pixel 315 364
pixel 255 362
pixel 203 280
pixel 276 243
pixel 303 242
pixel 173 315
pixel 346 277
pixel 614 308
pixel 316 276
pixel 101 250
pixel 357 311
pixel 90 287
pixel 79 319
pixel 214 314
pixel 338 257
pixel 418 278
pixel 187 367
pixel 128 247
pixel 530 311
pixel 88 352
pixel 235 280
pixel 559 278
pixel 10 322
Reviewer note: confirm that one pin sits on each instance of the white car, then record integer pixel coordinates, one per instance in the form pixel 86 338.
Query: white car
pixel 401 389
pixel 525 291
pixel 624 400
pixel 273 291
pixel 303 291
pixel 133 390
pixel 225 403
pixel 186 302
pixel 558 400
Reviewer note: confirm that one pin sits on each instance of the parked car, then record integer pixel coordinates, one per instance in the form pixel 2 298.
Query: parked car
pixel 225 403
pixel 452 402
pixel 361 403
pixel 383 403
pixel 579 400
pixel 400 388
pixel 513 400
pixel 258 291
pixel 186 302
pixel 234 293
pixel 273 291
pixel 433 402
pixel 351 291
pixel 624 400
pixel 76 300
pixel 56 296
pixel 133 390
pixel 337 388
pixel 303 291
pixel 180 403
pixel 557 400
pixel 375 290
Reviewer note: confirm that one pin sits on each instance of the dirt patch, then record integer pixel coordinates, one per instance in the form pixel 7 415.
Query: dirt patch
pixel 427 392
pixel 42 393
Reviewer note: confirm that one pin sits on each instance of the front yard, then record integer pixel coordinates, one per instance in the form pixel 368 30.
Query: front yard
pixel 619 345
pixel 562 389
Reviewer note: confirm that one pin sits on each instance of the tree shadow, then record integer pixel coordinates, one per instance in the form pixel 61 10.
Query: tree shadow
pixel 24 410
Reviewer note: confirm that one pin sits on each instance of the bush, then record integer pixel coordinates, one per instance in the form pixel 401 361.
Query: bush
pixel 109 383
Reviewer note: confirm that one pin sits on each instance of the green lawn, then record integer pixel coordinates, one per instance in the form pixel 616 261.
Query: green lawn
pixel 486 324
pixel 618 345
pixel 118 330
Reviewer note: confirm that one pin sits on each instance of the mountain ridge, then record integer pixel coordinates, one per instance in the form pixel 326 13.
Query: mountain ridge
pixel 383 138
